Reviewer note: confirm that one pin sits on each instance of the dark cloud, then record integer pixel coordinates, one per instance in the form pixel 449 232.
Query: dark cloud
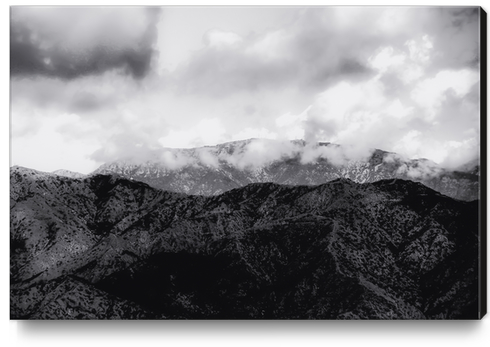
pixel 462 16
pixel 69 42
pixel 455 33
pixel 85 95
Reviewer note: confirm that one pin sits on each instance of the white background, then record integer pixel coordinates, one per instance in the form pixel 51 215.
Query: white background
pixel 213 333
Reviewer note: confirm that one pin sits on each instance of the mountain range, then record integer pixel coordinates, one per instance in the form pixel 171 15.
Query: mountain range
pixel 216 169
pixel 108 247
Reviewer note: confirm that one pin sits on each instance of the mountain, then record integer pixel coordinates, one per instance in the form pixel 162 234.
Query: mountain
pixel 105 247
pixel 217 169
pixel 472 167
pixel 68 173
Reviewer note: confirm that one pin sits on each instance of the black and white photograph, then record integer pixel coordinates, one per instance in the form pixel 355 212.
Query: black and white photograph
pixel 247 163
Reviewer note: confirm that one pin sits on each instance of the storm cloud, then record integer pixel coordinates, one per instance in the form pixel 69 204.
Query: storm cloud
pixel 69 42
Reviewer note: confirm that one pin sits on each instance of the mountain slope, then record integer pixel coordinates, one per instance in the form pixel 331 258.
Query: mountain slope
pixel 393 249
pixel 217 169
pixel 68 173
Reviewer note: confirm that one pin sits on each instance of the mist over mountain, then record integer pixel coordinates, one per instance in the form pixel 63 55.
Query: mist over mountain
pixel 103 247
pixel 216 169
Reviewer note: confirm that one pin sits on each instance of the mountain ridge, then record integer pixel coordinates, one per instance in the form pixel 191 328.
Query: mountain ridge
pixel 340 250
pixel 212 170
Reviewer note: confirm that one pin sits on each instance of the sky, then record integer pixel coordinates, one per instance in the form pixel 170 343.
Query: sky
pixel 91 85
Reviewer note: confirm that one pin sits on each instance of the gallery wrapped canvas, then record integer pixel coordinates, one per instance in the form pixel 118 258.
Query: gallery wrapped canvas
pixel 247 163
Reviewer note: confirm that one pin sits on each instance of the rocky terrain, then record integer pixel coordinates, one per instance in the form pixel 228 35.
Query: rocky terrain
pixel 217 169
pixel 104 247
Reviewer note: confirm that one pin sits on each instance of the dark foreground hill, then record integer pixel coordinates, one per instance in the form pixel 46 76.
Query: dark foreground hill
pixel 104 247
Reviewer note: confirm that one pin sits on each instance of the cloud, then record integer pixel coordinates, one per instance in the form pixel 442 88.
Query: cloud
pixel 125 148
pixel 439 119
pixel 98 98
pixel 456 33
pixel 291 126
pixel 216 38
pixel 107 112
pixel 344 112
pixel 398 79
pixel 205 132
pixel 221 72
pixel 421 169
pixel 324 46
pixel 430 92
pixel 422 101
pixel 86 101
pixel 175 160
pixel 259 152
pixel 67 42
pixel 207 157
pixel 304 55
pixel 45 142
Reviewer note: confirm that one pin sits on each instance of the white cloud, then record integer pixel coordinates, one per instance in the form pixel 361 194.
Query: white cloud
pixel 397 110
pixel 386 59
pixel 207 157
pixel 289 119
pixel 422 169
pixel 220 39
pixel 344 111
pixel 410 73
pixel 175 160
pixel 270 47
pixel 410 144
pixel 205 132
pixel 399 63
pixel 48 141
pixel 429 93
pixel 363 116
pixel 259 152
pixel 420 50
pixel 459 152
pixel 291 126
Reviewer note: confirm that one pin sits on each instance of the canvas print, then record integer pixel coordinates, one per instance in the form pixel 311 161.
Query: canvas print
pixel 247 163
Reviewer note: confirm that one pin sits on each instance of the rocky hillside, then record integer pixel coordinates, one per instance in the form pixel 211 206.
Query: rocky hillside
pixel 109 248
pixel 217 169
